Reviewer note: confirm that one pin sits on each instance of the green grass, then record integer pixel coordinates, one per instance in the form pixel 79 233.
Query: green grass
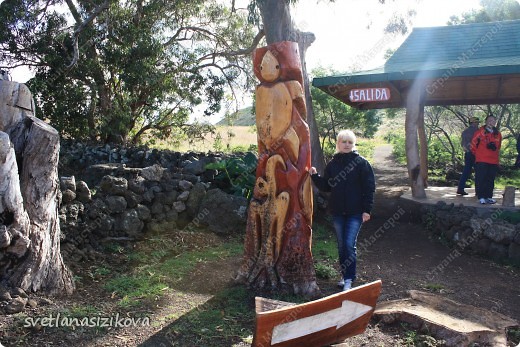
pixel 324 245
pixel 226 319
pixel 507 177
pixel 161 263
pixel 435 287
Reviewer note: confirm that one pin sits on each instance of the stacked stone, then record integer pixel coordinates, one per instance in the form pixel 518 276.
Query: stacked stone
pixel 474 230
pixel 154 200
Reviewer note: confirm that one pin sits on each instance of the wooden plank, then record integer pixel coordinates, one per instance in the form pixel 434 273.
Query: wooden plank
pixel 263 304
pixel 320 322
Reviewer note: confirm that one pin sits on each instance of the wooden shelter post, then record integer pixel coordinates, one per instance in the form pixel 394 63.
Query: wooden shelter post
pixel 416 164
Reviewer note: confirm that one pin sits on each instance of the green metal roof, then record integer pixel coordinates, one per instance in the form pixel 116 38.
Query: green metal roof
pixel 449 51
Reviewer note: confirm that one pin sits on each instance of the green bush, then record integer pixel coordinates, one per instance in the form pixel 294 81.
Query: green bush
pixel 238 174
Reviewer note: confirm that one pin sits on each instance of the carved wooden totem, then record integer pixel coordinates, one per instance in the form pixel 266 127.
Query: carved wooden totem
pixel 278 234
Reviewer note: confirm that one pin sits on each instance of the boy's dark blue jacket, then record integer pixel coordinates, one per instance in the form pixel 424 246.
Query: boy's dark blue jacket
pixel 350 180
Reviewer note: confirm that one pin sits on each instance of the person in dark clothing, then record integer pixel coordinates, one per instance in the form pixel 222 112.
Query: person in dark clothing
pixel 350 180
pixel 517 162
pixel 469 158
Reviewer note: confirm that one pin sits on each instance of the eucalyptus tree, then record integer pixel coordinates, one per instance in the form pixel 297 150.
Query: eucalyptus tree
pixel 115 70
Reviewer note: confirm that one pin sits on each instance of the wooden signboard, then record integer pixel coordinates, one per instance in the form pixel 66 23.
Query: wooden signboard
pixel 369 95
pixel 316 323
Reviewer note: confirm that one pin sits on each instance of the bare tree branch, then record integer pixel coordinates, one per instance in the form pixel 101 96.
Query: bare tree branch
pixel 82 25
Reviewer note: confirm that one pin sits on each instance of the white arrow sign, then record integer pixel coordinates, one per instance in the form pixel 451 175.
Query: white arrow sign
pixel 338 317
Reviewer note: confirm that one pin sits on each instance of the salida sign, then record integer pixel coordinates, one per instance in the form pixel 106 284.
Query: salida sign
pixel 369 95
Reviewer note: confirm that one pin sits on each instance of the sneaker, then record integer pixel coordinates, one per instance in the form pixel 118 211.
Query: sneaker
pixel 491 201
pixel 347 285
pixel 462 193
pixel 482 201
pixel 341 282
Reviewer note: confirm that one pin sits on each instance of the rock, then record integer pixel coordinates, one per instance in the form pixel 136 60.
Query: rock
pixel 500 233
pixel 83 193
pixel 16 305
pixel 143 212
pixel 185 185
pixel 148 196
pixel 157 208
pixel 116 204
pixel 195 168
pixel 20 292
pixel 101 225
pixel 171 216
pixel 4 294
pixel 226 213
pixel 179 206
pixel 74 210
pixel 514 253
pixel 68 183
pixel 183 196
pixel 97 208
pixel 45 301
pixel 68 196
pixel 137 185
pixel 166 198
pixel 153 173
pixel 132 199
pixel 195 198
pixel 129 223
pixel 497 251
pixel 32 303
pixel 114 185
pixel 482 245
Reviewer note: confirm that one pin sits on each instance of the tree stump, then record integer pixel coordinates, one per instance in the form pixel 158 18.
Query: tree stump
pixel 509 196
pixel 30 255
pixel 278 234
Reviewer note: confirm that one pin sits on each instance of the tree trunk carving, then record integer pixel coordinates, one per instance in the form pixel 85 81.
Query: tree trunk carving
pixel 278 234
pixel 30 255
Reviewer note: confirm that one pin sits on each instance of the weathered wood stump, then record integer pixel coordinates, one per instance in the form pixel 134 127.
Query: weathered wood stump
pixel 278 233
pixel 30 255
pixel 457 324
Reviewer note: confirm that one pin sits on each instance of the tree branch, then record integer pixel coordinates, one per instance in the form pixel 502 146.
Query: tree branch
pixel 82 26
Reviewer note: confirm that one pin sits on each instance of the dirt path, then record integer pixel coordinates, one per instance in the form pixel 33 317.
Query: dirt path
pixel 406 257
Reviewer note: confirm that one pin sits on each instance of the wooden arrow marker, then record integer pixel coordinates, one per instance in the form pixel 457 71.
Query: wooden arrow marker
pixel 316 323
pixel 348 312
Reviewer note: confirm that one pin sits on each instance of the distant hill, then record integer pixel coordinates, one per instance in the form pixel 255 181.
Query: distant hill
pixel 242 117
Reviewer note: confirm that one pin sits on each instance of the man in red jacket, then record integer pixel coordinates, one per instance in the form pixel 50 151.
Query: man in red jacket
pixel 485 145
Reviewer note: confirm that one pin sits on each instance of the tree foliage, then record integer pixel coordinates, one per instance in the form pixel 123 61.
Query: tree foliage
pixel 142 66
pixel 491 11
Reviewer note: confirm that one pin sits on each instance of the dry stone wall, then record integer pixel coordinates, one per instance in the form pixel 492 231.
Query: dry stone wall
pixel 485 232
pixel 118 194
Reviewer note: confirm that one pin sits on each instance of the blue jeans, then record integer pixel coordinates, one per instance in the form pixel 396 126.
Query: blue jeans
pixel 347 229
pixel 469 162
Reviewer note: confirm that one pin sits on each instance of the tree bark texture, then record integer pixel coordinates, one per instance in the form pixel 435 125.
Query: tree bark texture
pixel 30 255
pixel 278 26
pixel 414 113
pixel 279 228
